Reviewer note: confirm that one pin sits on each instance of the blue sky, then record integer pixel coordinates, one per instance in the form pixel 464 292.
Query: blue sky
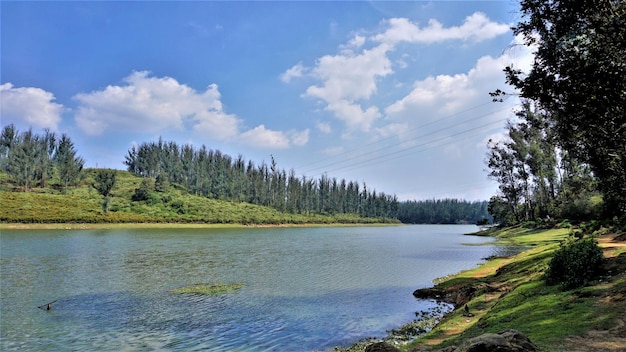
pixel 393 94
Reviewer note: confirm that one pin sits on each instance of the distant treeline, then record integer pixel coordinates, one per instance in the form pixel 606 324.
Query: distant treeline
pixel 33 160
pixel 212 174
pixel 443 211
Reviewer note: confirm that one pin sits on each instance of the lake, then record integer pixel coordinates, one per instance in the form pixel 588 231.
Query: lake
pixel 305 289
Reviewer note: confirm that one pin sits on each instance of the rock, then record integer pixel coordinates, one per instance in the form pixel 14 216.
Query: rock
pixel 381 347
pixel 504 341
pixel 457 295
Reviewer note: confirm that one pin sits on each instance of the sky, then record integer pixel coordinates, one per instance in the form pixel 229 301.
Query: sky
pixel 392 94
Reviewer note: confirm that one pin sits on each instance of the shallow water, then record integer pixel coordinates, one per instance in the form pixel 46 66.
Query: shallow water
pixel 304 288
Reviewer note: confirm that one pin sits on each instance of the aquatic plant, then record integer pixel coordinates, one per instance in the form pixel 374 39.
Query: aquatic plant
pixel 209 288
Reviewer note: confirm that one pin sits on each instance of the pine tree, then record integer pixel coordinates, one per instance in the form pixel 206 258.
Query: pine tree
pixel 69 166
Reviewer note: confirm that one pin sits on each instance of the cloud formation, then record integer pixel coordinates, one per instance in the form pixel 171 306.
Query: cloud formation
pixel 262 137
pixel 293 72
pixel 151 105
pixel 476 27
pixel 29 107
pixel 349 80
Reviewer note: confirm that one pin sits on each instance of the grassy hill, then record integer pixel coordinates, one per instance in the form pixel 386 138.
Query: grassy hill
pixel 83 204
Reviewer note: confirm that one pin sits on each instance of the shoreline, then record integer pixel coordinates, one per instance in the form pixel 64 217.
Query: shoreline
pixel 150 225
pixel 493 297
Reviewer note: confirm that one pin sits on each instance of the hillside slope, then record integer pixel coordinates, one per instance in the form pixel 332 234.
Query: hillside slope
pixel 83 204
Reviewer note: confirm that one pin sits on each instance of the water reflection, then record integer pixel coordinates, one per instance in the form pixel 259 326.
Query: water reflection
pixel 305 289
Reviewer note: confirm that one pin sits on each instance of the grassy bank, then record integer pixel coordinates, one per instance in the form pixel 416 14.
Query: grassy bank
pixel 83 205
pixel 511 293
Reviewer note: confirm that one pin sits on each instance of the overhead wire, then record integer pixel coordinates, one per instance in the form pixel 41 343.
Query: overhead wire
pixel 402 150
pixel 379 141
pixel 362 163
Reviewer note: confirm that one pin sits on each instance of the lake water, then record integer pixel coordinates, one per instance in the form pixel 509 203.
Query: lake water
pixel 304 288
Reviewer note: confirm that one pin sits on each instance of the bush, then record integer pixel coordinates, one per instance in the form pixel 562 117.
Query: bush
pixel 575 263
pixel 143 192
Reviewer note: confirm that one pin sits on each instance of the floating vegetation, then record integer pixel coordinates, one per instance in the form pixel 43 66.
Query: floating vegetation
pixel 209 289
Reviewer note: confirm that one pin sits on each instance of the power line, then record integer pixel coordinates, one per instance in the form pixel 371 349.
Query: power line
pixel 346 154
pixel 382 149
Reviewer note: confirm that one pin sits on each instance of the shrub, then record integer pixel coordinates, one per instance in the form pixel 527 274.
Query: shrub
pixel 143 192
pixel 575 263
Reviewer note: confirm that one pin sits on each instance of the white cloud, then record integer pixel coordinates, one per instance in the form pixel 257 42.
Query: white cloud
pixel 350 77
pixel 260 136
pixel 353 115
pixel 152 104
pixel 33 107
pixel 294 72
pixel 299 138
pixel 392 129
pixel 355 43
pixel 348 80
pixel 323 127
pixel 476 27
pixel 449 94
pixel 270 139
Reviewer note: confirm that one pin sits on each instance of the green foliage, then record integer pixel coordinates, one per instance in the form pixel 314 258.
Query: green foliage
pixel 575 263
pixel 143 192
pixel 83 204
pixel 161 183
pixel 212 174
pixel 503 211
pixel 68 164
pixel 442 211
pixel 579 78
pixel 104 183
pixel 32 160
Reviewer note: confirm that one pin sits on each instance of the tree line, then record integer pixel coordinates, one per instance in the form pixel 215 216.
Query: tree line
pixel 443 211
pixel 211 173
pixel 565 155
pixel 31 160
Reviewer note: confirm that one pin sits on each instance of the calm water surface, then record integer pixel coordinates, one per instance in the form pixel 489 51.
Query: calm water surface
pixel 305 288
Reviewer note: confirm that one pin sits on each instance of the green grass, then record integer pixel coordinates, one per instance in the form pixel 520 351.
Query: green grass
pixel 83 204
pixel 511 294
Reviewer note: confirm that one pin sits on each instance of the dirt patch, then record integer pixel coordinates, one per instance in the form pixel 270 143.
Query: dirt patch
pixel 610 340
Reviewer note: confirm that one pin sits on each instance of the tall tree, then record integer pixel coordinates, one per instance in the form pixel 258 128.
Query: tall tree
pixel 105 181
pixel 8 140
pixel 45 162
pixel 579 77
pixel 502 165
pixel 23 159
pixel 69 166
